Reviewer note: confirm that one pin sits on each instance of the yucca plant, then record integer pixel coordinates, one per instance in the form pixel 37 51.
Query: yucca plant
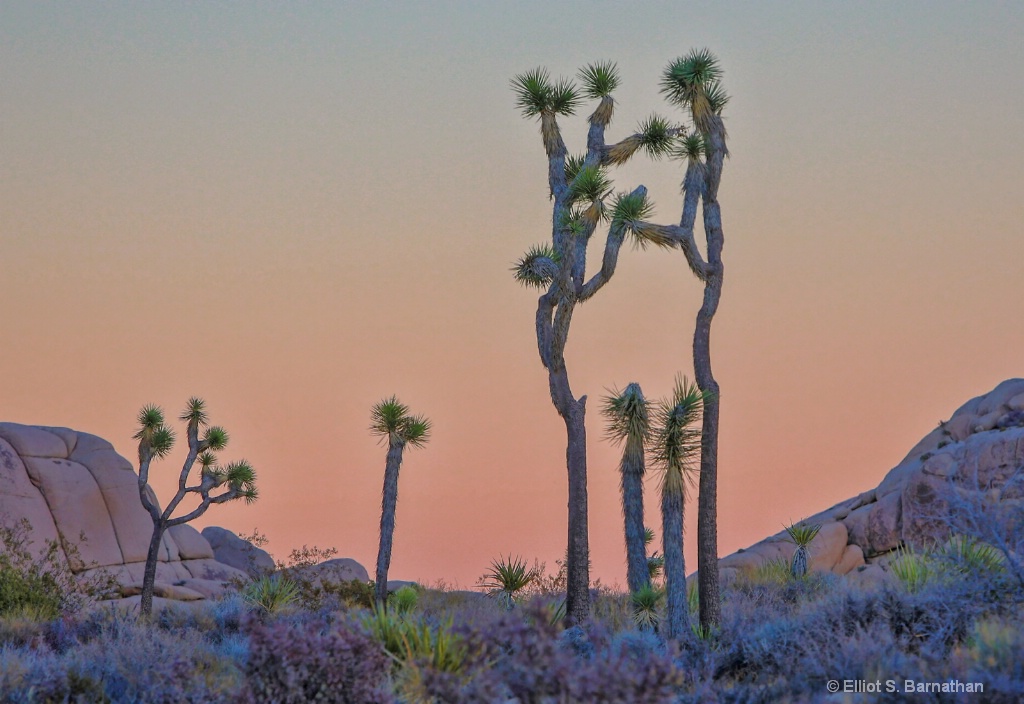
pixel 968 555
pixel 913 569
pixel 801 535
pixel 271 594
pixel 217 484
pixel 506 579
pixel 646 602
pixel 392 423
pixel 655 562
pixel 629 425
pixel 674 448
pixel 404 600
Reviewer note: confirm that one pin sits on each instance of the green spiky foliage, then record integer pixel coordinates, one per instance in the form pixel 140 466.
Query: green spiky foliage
pixel 216 484
pixel 599 79
pixel 970 556
pixel 628 424
pixel 693 81
pixel 506 578
pixel 690 147
pixel 655 562
pixel 537 94
pixel 912 568
pixel 590 185
pixel 538 267
pixel 271 594
pixel 573 165
pixel 656 136
pixel 646 602
pixel 392 422
pixel 674 450
pixel 801 534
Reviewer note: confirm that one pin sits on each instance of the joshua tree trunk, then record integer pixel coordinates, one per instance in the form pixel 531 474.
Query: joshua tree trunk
pixel 637 572
pixel 149 576
pixel 573 412
pixel 675 563
pixel 389 504
pixel 707 504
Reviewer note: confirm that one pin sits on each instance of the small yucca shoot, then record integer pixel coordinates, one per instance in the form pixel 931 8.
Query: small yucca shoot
pixel 912 568
pixel 506 578
pixel 801 534
pixel 645 602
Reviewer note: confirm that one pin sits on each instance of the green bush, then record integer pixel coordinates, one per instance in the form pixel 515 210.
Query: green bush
pixel 36 586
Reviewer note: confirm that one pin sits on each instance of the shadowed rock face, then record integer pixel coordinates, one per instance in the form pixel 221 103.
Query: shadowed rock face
pixel 971 455
pixel 68 485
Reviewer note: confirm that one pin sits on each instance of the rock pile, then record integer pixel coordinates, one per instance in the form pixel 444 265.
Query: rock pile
pixel 972 455
pixel 70 485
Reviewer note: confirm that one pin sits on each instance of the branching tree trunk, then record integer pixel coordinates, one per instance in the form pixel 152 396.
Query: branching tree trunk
pixel 579 189
pixel 238 479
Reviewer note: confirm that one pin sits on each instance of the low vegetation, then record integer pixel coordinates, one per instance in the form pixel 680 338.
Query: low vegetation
pixel 781 638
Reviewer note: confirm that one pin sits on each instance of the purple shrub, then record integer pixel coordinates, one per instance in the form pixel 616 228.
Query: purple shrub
pixel 529 661
pixel 295 663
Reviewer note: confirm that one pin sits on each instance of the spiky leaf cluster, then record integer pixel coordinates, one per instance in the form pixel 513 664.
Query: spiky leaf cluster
pixel 573 165
pixel 645 602
pixel 240 478
pixel 690 147
pixel 675 441
pixel 216 438
pixel 626 413
pixel 153 435
pixel 599 79
pixel 590 185
pixel 802 534
pixel 656 136
pixel 538 267
pixel 632 210
pixel 390 419
pixel 195 411
pixel 536 94
pixel 694 81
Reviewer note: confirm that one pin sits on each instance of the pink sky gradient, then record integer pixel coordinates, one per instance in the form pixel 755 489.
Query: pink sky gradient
pixel 297 212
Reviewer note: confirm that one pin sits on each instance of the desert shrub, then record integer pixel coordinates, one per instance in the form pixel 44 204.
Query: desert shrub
pixel 271 594
pixel 34 585
pixel 295 663
pixel 123 661
pixel 529 660
pixel 404 600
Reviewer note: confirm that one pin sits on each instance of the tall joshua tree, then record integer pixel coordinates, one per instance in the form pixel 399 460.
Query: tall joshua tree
pixel 693 82
pixel 581 195
pixel 236 480
pixel 629 425
pixel 675 446
pixel 391 421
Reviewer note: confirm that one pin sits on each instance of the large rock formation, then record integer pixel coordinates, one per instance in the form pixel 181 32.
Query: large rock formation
pixel 73 488
pixel 965 461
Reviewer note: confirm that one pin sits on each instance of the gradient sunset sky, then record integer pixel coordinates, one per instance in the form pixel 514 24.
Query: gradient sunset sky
pixel 295 210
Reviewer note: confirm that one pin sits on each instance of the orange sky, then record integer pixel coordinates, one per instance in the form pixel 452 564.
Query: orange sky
pixel 296 212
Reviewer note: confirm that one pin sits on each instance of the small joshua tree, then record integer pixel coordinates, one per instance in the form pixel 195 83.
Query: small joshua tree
pixel 675 447
pixel 629 424
pixel 801 534
pixel 391 421
pixel 234 481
